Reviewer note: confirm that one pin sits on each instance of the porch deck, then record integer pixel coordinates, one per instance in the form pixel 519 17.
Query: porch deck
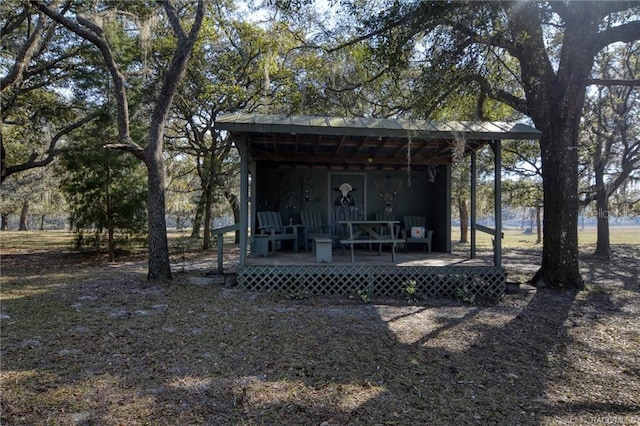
pixel 366 257
pixel 430 274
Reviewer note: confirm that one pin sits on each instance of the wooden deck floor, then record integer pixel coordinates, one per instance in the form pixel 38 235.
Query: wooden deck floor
pixel 364 256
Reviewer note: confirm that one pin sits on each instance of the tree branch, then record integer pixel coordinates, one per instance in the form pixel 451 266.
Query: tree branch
pixel 403 20
pixel 137 151
pixel 501 95
pixel 95 35
pixel 613 82
pixel 177 67
pixel 66 22
pixel 172 15
pixel 32 163
pixel 15 75
pixel 625 33
pixel 51 65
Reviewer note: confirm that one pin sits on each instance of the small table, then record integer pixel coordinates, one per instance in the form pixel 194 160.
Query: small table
pixel 261 245
pixel 323 249
pixel 366 232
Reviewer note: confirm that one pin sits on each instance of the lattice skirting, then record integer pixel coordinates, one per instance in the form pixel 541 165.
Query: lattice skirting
pixel 429 281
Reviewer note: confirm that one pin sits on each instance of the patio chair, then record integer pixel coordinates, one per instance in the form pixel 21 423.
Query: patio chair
pixel 270 223
pixel 313 226
pixel 420 234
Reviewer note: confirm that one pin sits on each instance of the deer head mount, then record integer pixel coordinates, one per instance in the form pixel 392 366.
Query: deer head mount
pixel 387 190
pixel 344 197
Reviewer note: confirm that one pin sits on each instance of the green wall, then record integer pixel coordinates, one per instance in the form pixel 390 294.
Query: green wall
pixel 291 190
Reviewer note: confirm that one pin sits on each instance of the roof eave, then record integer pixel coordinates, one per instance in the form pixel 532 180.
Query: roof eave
pixel 312 125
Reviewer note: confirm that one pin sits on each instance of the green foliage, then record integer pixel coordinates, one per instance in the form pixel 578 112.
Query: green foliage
pixel 179 247
pixel 465 295
pixel 522 193
pixel 105 189
pixel 411 292
pixel 364 295
pixel 610 136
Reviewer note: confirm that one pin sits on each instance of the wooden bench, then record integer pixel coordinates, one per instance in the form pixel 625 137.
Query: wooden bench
pixel 392 241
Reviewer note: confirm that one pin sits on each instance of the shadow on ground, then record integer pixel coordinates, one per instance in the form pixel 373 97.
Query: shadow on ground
pixel 109 351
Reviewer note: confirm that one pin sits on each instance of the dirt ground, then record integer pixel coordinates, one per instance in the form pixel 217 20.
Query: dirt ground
pixel 85 342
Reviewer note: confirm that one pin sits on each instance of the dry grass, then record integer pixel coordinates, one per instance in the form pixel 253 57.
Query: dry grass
pixel 85 342
pixel 516 238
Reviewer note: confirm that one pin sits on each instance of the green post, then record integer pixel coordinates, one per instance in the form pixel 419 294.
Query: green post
pixel 497 253
pixel 241 145
pixel 219 242
pixel 473 204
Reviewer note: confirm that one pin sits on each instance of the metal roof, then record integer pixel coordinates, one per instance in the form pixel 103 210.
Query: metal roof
pixel 363 142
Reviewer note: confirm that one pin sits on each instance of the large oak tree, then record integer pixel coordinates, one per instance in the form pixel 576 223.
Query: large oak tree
pixel 81 24
pixel 610 138
pixel 542 55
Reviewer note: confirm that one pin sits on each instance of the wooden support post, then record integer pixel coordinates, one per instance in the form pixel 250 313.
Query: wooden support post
pixel 251 210
pixel 473 204
pixel 241 145
pixel 218 234
pixel 497 253
pixel 220 242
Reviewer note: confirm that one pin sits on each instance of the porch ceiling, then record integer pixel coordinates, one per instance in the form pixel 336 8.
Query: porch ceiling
pixel 362 143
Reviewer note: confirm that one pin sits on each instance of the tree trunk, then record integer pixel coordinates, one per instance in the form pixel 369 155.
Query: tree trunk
pixel 23 215
pixel 235 208
pixel 159 265
pixel 110 228
pixel 4 221
pixel 464 220
pixel 111 243
pixel 97 238
pixel 532 216
pixel 197 220
pixel 603 247
pixel 602 147
pixel 560 266
pixel 539 224
pixel 208 201
pixel 208 198
pixel 554 100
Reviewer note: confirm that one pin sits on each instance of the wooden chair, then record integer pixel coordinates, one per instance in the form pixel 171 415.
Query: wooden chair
pixel 270 223
pixel 313 226
pixel 416 222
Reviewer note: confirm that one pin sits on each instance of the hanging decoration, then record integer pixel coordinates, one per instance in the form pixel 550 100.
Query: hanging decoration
pixel 344 197
pixel 431 173
pixel 458 147
pixel 388 189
